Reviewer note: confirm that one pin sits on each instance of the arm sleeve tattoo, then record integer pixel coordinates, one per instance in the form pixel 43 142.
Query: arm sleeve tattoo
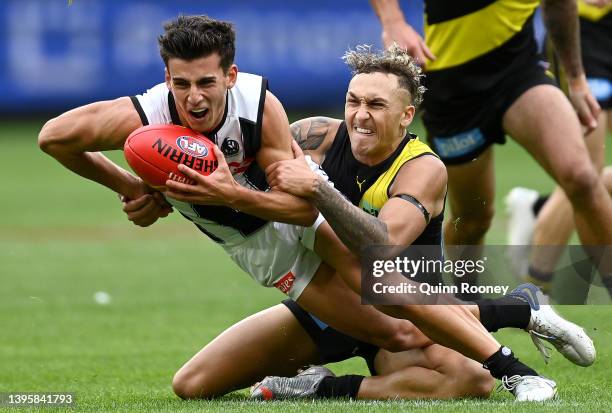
pixel 310 134
pixel 356 228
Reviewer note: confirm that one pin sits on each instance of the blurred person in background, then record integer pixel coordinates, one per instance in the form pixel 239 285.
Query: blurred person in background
pixel 484 80
pixel 547 220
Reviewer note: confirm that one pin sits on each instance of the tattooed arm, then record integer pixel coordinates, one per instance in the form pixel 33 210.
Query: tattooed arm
pixel 399 222
pixel 561 19
pixel 356 228
pixel 315 135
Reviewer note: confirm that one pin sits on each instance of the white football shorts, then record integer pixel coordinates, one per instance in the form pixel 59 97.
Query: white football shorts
pixel 281 255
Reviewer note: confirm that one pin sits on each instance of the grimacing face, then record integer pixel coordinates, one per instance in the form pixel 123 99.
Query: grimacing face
pixel 377 113
pixel 199 88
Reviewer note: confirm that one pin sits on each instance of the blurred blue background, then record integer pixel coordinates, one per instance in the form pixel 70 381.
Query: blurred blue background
pixel 54 57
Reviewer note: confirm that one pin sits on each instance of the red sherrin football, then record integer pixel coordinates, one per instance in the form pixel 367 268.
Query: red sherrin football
pixel 155 151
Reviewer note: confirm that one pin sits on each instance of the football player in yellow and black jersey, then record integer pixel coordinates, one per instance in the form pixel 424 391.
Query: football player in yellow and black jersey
pixel 484 81
pixel 389 188
pixel 204 91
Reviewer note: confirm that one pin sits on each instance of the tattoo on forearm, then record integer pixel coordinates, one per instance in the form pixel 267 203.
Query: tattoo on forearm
pixel 356 228
pixel 561 18
pixel 311 134
pixel 296 132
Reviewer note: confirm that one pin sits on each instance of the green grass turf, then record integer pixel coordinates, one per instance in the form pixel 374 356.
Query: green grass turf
pixel 62 239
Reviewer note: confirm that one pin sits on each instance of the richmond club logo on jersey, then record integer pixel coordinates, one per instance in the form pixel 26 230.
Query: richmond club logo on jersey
pixel 191 146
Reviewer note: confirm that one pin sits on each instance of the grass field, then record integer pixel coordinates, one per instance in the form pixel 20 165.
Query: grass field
pixel 62 239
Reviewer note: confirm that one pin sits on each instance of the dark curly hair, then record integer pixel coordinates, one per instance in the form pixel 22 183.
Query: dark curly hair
pixel 192 37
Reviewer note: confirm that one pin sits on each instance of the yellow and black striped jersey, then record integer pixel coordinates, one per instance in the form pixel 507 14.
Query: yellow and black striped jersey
pixel 593 13
pixel 459 31
pixel 369 186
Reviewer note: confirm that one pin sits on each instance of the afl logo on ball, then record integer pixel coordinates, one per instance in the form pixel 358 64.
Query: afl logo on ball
pixel 230 147
pixel 192 146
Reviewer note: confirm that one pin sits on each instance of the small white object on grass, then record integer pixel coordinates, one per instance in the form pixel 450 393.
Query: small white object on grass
pixel 102 298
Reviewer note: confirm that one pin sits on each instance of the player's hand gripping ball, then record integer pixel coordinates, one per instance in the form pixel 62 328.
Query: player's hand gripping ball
pixel 155 151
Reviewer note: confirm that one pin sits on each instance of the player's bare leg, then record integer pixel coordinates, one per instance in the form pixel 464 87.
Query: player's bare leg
pixel 271 342
pixel 554 223
pixel 543 121
pixel 459 326
pixel 607 178
pixel 257 349
pixel 553 229
pixel 453 326
pixel 432 372
pixel 471 196
pixel 329 299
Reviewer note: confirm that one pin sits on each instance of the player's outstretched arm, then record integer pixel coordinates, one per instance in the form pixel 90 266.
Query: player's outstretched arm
pixel 561 19
pixel 396 29
pixel 74 139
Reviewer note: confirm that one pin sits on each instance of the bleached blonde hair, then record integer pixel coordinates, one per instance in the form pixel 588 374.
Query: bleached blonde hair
pixel 394 60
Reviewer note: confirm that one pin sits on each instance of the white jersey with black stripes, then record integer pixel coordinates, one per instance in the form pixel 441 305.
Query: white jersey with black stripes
pixel 238 136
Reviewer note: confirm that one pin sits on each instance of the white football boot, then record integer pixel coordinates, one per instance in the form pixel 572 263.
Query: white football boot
pixel 545 324
pixel 521 222
pixel 530 388
pixel 302 386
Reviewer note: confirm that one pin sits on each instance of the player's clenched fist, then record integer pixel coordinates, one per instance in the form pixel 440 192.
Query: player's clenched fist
pixel 293 176
pixel 146 209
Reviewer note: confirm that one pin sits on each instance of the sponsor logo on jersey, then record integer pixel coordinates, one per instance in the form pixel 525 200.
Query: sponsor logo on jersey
pixel 601 88
pixel 192 146
pixel 285 283
pixel 359 183
pixel 230 147
pixel 460 144
pixel 369 208
pixel 240 167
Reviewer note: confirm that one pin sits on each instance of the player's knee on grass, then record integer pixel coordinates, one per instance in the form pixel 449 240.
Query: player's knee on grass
pixel 191 385
pixel 463 377
pixel 405 337
pixel 476 381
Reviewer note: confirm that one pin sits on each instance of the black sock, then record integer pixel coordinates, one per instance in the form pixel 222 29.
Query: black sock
pixel 337 387
pixel 502 312
pixel 539 203
pixel 503 363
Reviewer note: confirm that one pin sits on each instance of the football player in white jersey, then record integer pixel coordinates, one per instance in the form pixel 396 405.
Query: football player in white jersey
pixel 201 78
